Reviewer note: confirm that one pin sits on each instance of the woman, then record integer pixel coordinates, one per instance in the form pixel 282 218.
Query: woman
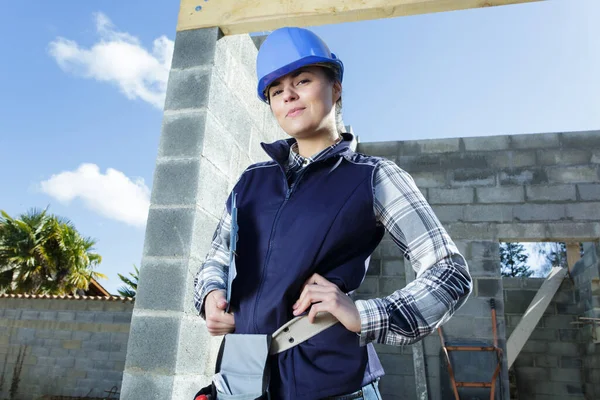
pixel 309 221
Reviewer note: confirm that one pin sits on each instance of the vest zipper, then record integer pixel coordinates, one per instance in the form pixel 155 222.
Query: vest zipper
pixel 288 193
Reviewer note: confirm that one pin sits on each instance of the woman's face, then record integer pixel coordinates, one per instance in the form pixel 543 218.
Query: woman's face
pixel 303 101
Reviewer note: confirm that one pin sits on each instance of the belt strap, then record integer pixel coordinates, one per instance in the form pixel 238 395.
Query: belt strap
pixel 299 330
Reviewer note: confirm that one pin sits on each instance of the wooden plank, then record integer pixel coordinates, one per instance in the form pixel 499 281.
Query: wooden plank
pixel 245 16
pixel 572 254
pixel 534 312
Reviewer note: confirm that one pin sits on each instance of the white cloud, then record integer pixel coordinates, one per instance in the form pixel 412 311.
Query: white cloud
pixel 120 59
pixel 112 194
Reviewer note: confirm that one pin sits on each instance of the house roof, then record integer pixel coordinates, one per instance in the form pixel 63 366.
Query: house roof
pixel 47 296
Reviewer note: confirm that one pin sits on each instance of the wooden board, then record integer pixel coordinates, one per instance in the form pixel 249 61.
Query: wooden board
pixel 245 16
pixel 573 254
pixel 534 312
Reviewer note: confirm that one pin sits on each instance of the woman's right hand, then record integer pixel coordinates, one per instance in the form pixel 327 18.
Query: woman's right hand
pixel 218 321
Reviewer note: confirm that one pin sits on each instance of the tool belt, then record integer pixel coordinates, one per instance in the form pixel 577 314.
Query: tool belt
pixel 242 370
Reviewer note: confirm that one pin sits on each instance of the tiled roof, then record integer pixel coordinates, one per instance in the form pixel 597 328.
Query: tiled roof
pixel 46 296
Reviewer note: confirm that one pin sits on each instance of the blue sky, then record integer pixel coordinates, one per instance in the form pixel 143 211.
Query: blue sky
pixel 82 84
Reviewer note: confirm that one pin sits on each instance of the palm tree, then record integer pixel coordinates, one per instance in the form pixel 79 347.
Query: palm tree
pixel 130 288
pixel 44 254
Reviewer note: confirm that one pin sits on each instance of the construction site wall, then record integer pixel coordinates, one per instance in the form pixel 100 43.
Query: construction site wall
pixel 62 347
pixel 487 190
pixel 586 277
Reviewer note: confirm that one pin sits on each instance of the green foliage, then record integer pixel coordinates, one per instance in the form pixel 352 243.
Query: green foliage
pixel 513 257
pixel 130 288
pixel 44 254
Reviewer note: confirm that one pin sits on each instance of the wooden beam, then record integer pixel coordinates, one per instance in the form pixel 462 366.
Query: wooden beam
pixel 245 16
pixel 534 312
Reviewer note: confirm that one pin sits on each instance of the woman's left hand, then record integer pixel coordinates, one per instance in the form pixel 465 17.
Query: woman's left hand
pixel 321 295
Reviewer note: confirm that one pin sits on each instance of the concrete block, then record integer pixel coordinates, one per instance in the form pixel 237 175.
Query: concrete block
pixel 584 211
pixel 162 285
pixel 194 347
pixel 508 194
pixel 236 120
pixel 484 250
pixel 437 145
pixel 168 232
pixel 488 213
pixel 395 364
pixel 563 348
pixel 564 157
pixel 459 328
pixel 464 195
pixel 218 145
pixel 523 176
pixel 374 267
pixel 551 193
pixel 388 286
pixel 381 149
pixel 461 230
pixel 421 163
pixel 143 386
pixel 589 191
pixel 569 335
pixel 488 287
pixel 449 213
pixel 390 250
pixel 583 140
pixel 201 240
pixel 157 333
pixel 486 143
pixel 104 317
pixel 195 47
pixel 30 314
pixel 473 177
pixel 393 267
pixel 536 346
pixel 517 301
pixel 537 140
pixel 212 189
pixel 188 88
pixel 429 179
pixel 82 316
pixel 175 183
pixel 573 174
pixel 572 230
pixel 369 286
pixel 539 212
pixel 511 159
pixel 524 360
pixel 182 134
pixel 65 316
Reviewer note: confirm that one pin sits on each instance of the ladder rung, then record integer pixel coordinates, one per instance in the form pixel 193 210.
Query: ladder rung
pixel 470 348
pixel 474 384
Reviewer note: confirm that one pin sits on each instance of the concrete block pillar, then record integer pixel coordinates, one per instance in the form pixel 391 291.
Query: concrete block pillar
pixel 212 127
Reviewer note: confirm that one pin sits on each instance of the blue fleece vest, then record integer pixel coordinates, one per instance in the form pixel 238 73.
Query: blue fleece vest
pixel 324 223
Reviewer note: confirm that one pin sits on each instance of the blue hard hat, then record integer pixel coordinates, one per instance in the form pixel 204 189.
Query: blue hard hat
pixel 287 49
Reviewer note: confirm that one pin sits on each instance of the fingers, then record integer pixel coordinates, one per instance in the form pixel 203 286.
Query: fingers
pixel 315 294
pixel 316 279
pixel 219 322
pixel 218 297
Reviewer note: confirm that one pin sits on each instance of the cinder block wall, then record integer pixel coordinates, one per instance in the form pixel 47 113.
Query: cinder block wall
pixel 212 128
pixel 550 364
pixel 534 187
pixel 62 347
pixel 586 276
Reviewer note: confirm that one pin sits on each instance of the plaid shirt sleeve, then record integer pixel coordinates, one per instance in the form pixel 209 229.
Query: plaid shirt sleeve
pixel 443 283
pixel 213 272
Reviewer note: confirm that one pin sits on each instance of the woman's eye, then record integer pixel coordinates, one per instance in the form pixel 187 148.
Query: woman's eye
pixel 276 92
pixel 303 81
